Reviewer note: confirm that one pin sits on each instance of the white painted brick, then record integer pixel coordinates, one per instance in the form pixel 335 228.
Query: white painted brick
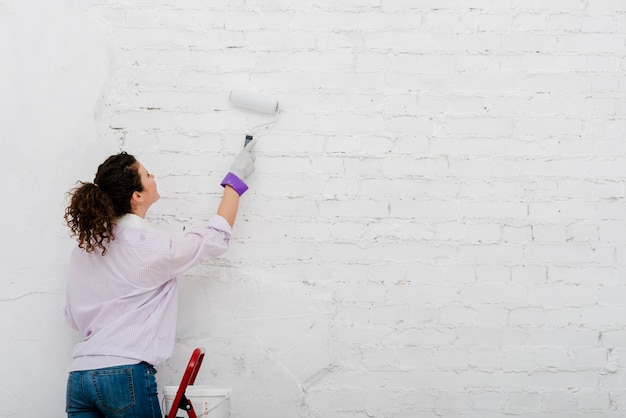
pixel 495 294
pixel 350 5
pixel 425 337
pixel 134 120
pixel 566 253
pixel 475 188
pixel 410 167
pixel 526 316
pixel 564 317
pixel 517 233
pixel 398 41
pixel 492 274
pixel 322 61
pixel 611 294
pixel 606 85
pixel 451 359
pixel 590 400
pixel 494 210
pixel 609 148
pixel 409 208
pixel 488 401
pixel 565 22
pixel 489 253
pixel 276 40
pixel 407 231
pixel 563 337
pixel 584 232
pixel 491 317
pixel 483 359
pixel 492 22
pixel 589 357
pixel 478 379
pixel 551 380
pixel 528 274
pixel 597 189
pixel 553 359
pixel 613 339
pixel 558 6
pixel 518 360
pixel 457 315
pixel 481 168
pixel 367 293
pixel 363 208
pixel 562 210
pixel 555 84
pixel 564 295
pixel 424 252
pixel 606 7
pixel 530 43
pixel 486 233
pixel 607 43
pixel 521 402
pixel 423 188
pixel 445 399
pixel 523 21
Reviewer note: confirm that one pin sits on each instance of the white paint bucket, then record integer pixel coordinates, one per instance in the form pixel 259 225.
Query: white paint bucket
pixel 207 401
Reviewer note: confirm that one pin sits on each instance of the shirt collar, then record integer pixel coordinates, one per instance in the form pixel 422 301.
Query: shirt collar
pixel 130 220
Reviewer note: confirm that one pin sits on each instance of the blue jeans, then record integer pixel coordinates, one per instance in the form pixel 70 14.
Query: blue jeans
pixel 113 392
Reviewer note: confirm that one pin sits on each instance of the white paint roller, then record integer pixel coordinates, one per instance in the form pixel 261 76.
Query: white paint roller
pixel 254 101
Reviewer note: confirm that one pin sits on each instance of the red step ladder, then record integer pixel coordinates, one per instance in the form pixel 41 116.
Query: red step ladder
pixel 181 401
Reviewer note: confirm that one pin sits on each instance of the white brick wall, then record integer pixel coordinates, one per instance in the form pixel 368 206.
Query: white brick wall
pixel 435 227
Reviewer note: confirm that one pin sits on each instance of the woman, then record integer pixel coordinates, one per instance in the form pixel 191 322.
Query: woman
pixel 121 288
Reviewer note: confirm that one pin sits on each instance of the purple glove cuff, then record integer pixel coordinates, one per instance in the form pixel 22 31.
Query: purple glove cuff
pixel 234 182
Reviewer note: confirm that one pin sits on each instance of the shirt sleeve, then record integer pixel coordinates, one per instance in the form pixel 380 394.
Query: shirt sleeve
pixel 68 316
pixel 199 245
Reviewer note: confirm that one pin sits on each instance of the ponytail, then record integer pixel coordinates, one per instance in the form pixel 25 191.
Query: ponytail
pixel 90 217
pixel 94 207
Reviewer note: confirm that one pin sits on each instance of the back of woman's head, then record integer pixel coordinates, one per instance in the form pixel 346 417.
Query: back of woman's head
pixel 94 206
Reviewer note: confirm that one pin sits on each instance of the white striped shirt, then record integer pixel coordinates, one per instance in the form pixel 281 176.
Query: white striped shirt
pixel 125 302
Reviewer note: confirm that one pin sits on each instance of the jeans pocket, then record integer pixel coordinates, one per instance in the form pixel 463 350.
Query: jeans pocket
pixel 114 388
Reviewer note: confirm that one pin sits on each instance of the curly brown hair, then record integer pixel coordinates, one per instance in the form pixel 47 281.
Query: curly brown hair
pixel 94 207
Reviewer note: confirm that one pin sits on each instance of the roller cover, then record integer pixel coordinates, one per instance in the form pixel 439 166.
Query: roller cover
pixel 253 101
